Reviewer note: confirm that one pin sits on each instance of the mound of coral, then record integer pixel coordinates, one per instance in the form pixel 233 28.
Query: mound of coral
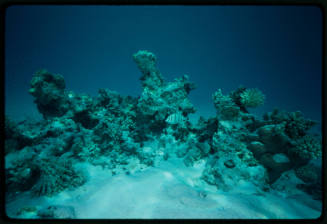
pixel 128 134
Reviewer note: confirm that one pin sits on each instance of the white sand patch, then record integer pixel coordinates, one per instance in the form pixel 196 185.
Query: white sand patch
pixel 168 191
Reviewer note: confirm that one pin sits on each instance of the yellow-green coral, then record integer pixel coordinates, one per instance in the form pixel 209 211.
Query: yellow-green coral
pixel 252 98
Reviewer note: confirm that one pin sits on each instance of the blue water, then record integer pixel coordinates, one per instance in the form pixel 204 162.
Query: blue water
pixel 277 49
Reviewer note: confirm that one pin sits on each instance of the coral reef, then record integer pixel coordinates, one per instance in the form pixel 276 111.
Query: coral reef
pixel 124 134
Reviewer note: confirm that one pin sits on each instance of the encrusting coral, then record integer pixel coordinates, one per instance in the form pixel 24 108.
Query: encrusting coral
pixel 119 132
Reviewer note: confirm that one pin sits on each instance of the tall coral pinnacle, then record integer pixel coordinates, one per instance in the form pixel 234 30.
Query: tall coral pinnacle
pixel 147 63
pixel 49 92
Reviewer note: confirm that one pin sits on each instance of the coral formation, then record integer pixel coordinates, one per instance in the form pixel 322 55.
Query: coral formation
pixel 49 93
pixel 252 98
pixel 56 176
pixel 226 107
pixel 232 162
pixel 147 63
pixel 296 126
pixel 306 148
pixel 20 173
pixel 119 132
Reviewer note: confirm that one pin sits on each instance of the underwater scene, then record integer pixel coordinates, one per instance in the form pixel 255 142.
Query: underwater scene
pixel 163 112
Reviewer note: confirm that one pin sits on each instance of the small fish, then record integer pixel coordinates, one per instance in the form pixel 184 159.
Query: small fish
pixel 175 118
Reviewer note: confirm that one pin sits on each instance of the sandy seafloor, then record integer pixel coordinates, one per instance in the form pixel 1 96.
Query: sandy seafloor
pixel 170 190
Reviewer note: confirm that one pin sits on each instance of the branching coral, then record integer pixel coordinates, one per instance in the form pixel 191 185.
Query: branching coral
pixel 296 126
pixel 306 148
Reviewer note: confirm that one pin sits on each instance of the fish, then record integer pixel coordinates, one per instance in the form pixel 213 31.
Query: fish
pixel 175 118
